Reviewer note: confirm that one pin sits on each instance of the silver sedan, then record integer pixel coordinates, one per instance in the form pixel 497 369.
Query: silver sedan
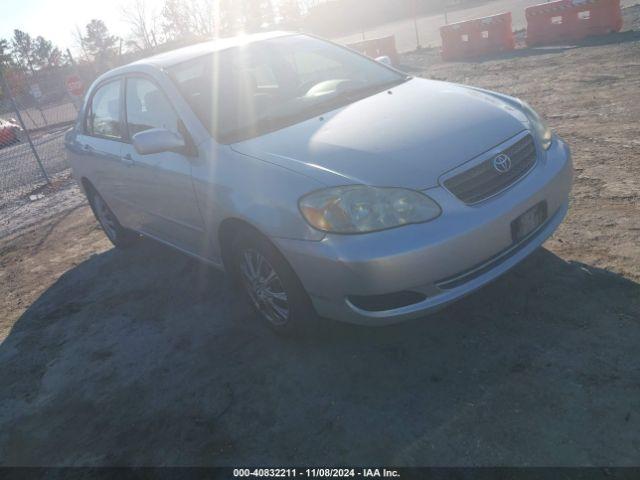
pixel 327 184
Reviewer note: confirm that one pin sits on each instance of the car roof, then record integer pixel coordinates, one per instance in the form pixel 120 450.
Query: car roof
pixel 172 57
pixel 179 55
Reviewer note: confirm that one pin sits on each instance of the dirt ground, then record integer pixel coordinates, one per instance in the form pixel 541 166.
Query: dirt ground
pixel 145 357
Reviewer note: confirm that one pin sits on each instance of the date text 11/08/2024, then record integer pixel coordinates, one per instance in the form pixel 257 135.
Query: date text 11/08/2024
pixel 316 472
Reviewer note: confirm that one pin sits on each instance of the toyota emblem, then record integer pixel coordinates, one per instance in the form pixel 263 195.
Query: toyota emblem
pixel 502 163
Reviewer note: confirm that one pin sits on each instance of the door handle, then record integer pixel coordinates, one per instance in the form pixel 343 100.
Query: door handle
pixel 127 160
pixel 87 148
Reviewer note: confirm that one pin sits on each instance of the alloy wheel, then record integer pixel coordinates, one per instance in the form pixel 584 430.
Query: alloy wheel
pixel 264 287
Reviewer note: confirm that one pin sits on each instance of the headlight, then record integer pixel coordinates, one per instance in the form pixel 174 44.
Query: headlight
pixel 360 209
pixel 539 126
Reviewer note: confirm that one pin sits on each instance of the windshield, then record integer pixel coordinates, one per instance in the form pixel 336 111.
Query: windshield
pixel 247 91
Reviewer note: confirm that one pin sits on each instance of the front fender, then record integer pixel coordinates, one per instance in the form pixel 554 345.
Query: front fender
pixel 229 184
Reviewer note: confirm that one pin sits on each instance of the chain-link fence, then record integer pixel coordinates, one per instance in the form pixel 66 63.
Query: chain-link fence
pixel 36 109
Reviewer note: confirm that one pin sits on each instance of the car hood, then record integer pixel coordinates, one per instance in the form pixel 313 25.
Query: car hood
pixel 407 137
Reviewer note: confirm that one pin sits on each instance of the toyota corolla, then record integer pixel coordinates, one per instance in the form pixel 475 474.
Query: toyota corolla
pixel 327 184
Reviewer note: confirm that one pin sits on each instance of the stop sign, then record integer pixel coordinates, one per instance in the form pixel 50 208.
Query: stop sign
pixel 75 86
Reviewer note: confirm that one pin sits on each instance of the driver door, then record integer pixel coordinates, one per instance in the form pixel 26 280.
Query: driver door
pixel 161 186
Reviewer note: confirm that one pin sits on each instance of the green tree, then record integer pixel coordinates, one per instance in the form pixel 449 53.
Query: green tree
pixel 5 54
pixel 5 61
pixel 99 43
pixel 45 53
pixel 67 59
pixel 22 46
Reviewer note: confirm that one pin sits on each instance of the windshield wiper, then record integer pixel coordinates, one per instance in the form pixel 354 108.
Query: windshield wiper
pixel 356 94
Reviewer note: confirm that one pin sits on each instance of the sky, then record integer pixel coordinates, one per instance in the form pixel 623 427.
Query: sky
pixel 56 19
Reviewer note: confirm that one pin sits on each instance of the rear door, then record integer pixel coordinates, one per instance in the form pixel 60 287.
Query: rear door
pixel 100 144
pixel 160 184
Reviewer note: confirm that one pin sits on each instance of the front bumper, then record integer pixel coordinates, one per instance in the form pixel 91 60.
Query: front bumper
pixel 443 260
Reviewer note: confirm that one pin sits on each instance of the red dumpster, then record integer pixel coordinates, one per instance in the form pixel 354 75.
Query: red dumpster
pixel 571 20
pixel 478 37
pixel 378 47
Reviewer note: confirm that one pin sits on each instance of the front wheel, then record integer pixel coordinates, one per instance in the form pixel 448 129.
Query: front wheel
pixel 271 286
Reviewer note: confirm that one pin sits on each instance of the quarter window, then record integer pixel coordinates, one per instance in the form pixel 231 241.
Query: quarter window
pixel 148 107
pixel 104 115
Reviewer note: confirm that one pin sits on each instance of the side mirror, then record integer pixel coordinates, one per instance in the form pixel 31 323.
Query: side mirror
pixel 385 59
pixel 158 140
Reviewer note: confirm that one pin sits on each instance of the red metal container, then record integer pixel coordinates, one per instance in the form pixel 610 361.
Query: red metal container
pixel 477 38
pixel 571 20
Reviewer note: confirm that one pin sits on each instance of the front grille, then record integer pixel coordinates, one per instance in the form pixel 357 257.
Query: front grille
pixel 484 181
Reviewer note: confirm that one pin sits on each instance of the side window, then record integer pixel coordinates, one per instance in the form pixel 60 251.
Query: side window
pixel 193 80
pixel 104 114
pixel 148 107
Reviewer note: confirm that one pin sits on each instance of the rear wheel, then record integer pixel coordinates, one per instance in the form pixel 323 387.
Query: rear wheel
pixel 119 236
pixel 271 285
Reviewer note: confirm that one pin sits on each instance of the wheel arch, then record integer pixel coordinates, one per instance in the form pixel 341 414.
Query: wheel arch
pixel 87 186
pixel 227 231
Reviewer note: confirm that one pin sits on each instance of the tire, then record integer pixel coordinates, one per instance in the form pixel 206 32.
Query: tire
pixel 273 289
pixel 115 232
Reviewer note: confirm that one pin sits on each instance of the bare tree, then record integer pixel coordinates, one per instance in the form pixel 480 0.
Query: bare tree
pixel 237 16
pixel 78 37
pixel 144 24
pixel 257 14
pixel 176 19
pixel 232 16
pixel 186 20
pixel 289 11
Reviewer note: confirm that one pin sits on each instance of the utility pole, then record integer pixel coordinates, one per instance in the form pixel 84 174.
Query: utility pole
pixel 7 92
pixel 415 24
pixel 71 59
pixel 74 100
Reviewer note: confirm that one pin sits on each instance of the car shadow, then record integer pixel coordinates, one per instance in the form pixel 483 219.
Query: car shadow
pixel 145 357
